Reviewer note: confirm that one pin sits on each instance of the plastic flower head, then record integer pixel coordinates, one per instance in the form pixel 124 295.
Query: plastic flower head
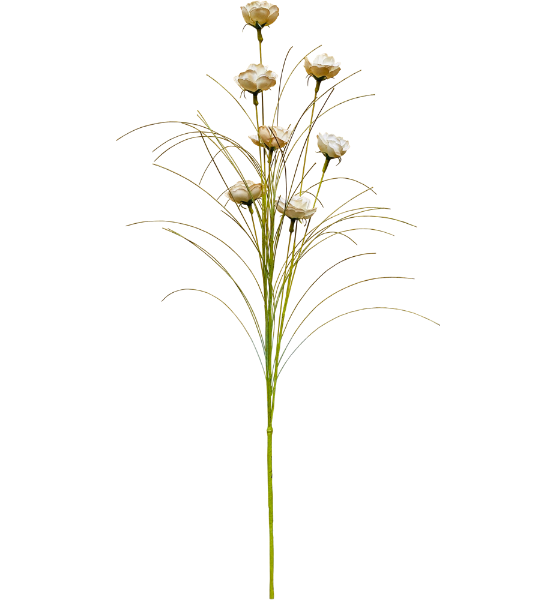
pixel 240 194
pixel 256 78
pixel 259 14
pixel 322 67
pixel 332 146
pixel 299 207
pixel 271 137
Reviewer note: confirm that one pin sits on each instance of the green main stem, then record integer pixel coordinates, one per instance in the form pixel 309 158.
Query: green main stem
pixel 267 248
pixel 270 508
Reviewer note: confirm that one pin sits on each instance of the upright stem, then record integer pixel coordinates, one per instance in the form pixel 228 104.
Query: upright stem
pixel 260 38
pixel 270 508
pixel 269 318
pixel 317 86
pixel 325 166
pixel 260 156
pixel 286 292
pixel 269 338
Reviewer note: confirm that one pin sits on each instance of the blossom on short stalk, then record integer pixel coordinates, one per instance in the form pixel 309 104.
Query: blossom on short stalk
pixel 240 194
pixel 271 137
pixel 299 207
pixel 332 146
pixel 322 67
pixel 257 78
pixel 258 14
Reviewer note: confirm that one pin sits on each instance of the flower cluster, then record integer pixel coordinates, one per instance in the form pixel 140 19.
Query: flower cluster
pixel 257 79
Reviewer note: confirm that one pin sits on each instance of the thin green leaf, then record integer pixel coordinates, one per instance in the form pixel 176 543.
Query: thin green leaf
pixel 220 300
pixel 221 266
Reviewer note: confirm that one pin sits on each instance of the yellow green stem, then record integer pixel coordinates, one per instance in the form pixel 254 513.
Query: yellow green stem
pixel 325 166
pixel 326 162
pixel 285 296
pixel 317 86
pixel 270 508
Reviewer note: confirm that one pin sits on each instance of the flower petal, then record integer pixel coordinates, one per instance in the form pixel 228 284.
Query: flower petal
pixel 255 140
pixel 245 14
pixel 260 15
pixel 319 71
pixel 264 83
pixel 274 12
pixel 247 84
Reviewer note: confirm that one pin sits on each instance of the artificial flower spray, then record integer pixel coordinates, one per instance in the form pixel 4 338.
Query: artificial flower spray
pixel 275 203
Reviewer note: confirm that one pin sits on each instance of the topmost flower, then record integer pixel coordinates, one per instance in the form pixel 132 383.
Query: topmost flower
pixel 260 13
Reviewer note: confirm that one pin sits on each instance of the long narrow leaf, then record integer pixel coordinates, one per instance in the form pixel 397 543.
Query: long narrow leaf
pixel 349 313
pixel 208 193
pixel 208 233
pixel 221 266
pixel 220 300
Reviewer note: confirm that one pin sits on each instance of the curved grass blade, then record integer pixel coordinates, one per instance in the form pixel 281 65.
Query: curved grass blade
pixel 221 266
pixel 333 294
pixel 149 125
pixel 208 233
pixel 349 313
pixel 321 275
pixel 226 154
pixel 236 100
pixel 328 91
pixel 220 300
pixel 292 71
pixel 277 109
pixel 222 206
pixel 254 231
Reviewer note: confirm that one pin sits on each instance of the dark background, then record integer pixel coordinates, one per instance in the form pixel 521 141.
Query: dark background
pixel 359 451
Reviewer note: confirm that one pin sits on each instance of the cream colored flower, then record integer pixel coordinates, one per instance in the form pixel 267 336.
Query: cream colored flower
pixel 271 137
pixel 258 14
pixel 240 194
pixel 299 207
pixel 322 67
pixel 256 78
pixel 332 146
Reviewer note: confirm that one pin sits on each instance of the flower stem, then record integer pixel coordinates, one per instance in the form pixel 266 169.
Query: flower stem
pixel 317 86
pixel 258 132
pixel 285 295
pixel 325 166
pixel 270 508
